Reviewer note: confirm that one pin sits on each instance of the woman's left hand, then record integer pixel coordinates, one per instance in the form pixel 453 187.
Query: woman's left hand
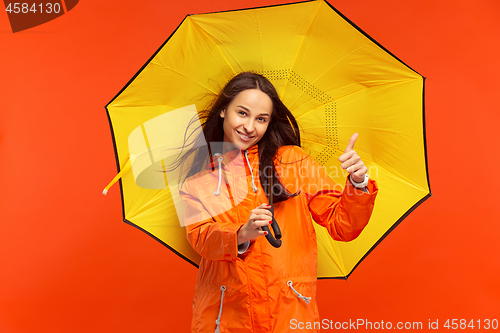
pixel 352 162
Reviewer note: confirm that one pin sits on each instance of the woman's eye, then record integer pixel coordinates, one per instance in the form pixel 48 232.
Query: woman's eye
pixel 242 113
pixel 263 119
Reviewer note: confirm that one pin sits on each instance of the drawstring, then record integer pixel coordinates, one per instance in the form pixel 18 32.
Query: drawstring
pixel 306 299
pixel 251 172
pixel 223 288
pixel 220 175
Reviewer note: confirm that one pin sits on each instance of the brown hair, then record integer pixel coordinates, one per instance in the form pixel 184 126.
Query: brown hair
pixel 282 130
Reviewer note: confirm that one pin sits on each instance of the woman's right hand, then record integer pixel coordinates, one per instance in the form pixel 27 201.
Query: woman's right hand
pixel 259 217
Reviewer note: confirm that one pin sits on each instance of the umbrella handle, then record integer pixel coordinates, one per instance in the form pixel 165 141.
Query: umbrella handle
pixel 276 242
pixel 276 239
pixel 276 229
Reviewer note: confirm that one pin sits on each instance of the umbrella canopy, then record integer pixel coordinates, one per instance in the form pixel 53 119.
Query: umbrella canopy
pixel 333 77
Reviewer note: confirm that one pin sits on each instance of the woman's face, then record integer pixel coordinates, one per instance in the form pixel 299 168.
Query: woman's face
pixel 246 118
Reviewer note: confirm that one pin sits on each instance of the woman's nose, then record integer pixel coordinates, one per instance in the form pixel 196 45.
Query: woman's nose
pixel 248 126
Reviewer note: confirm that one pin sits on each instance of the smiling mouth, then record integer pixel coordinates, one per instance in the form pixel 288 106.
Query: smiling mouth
pixel 244 136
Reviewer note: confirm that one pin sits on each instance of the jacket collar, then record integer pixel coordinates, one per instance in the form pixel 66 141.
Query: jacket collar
pixel 253 150
pixel 230 156
pixel 225 159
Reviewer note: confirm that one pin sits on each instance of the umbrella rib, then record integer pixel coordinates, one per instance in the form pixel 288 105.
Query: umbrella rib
pixel 141 106
pixel 329 68
pixel 154 61
pixel 299 47
pixel 399 177
pixel 260 40
pixel 324 72
pixel 333 65
pixel 145 205
pixel 389 85
pixel 383 87
pixel 338 61
pixel 321 144
pixel 217 46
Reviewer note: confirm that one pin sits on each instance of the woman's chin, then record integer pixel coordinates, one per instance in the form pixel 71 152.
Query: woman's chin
pixel 241 144
pixel 228 146
pixel 246 145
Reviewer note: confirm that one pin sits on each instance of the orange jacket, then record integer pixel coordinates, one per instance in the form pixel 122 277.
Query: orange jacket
pixel 258 291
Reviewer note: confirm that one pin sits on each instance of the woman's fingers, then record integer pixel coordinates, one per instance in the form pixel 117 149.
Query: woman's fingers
pixel 261 211
pixel 259 217
pixel 264 215
pixel 261 223
pixel 352 141
pixel 351 162
pixel 356 167
pixel 359 175
pixel 346 156
pixel 255 228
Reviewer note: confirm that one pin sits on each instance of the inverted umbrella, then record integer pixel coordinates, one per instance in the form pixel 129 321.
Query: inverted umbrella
pixel 333 77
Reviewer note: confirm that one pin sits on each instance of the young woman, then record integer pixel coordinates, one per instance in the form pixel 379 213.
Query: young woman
pixel 244 284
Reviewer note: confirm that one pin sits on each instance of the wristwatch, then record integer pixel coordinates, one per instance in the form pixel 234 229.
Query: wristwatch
pixel 362 185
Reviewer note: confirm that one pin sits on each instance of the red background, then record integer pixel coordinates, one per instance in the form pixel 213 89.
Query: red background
pixel 68 264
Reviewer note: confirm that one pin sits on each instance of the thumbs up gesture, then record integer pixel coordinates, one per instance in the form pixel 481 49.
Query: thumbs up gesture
pixel 352 162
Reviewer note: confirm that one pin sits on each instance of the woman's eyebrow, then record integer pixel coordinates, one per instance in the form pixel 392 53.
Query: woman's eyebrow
pixel 246 109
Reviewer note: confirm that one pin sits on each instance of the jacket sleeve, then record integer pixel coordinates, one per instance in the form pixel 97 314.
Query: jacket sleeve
pixel 343 212
pixel 211 239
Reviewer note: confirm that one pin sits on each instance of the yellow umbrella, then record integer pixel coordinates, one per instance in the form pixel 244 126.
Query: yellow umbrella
pixel 334 78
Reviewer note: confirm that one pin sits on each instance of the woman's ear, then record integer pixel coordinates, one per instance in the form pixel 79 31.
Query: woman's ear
pixel 222 113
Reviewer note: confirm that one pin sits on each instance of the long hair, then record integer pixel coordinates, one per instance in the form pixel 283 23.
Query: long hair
pixel 282 130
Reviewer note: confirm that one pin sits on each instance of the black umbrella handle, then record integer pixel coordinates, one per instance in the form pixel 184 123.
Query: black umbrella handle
pixel 276 239
pixel 276 227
